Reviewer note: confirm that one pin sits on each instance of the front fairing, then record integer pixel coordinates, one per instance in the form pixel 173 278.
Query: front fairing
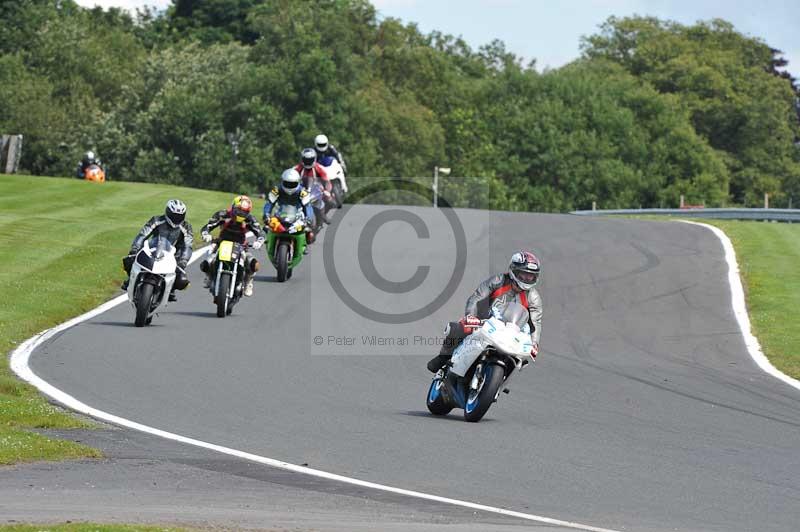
pixel 505 338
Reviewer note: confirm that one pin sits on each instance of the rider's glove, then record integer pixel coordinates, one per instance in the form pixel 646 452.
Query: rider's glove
pixel 206 237
pixel 534 350
pixel 469 319
pixel 469 323
pixel 257 244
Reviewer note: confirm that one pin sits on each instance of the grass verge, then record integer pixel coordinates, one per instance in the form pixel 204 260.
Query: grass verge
pixel 768 255
pixel 61 241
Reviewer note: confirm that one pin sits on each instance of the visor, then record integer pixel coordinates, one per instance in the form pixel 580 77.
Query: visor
pixel 175 219
pixel 526 277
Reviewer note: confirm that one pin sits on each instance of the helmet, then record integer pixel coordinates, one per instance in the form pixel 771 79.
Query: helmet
pixel 89 157
pixel 321 143
pixel 524 269
pixel 175 212
pixel 241 207
pixel 290 181
pixel 308 157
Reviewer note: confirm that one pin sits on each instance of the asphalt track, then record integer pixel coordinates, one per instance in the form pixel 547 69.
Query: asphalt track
pixel 643 412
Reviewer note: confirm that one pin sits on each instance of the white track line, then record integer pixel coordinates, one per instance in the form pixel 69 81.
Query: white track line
pixel 740 308
pixel 19 364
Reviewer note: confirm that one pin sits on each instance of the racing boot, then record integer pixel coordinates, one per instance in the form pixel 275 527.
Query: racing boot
pixel 172 296
pixel 438 362
pixel 125 283
pixel 454 333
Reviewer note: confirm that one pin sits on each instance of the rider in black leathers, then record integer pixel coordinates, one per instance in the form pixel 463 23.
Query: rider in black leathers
pixel 172 225
pixel 235 222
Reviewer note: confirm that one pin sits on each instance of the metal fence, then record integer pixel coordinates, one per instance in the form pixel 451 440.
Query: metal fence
pixel 777 215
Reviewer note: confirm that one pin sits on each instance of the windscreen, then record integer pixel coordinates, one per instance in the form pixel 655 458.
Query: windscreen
pixel 288 213
pixel 160 245
pixel 515 313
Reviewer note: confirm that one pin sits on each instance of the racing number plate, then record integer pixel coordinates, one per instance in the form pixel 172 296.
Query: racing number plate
pixel 225 250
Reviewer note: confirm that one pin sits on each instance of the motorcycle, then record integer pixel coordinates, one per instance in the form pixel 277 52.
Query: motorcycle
pixel 228 275
pixel 286 239
pixel 94 173
pixel 337 178
pixel 151 279
pixel 482 364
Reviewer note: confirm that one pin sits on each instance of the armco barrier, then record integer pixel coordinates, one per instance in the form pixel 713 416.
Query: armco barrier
pixel 777 215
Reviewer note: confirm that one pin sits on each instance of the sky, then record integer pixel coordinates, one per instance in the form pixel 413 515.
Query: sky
pixel 550 31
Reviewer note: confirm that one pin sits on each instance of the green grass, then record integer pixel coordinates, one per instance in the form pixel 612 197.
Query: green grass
pixel 87 527
pixel 769 261
pixel 61 242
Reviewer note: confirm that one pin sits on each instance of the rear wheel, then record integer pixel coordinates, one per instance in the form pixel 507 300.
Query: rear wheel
pixel 144 300
pixel 282 261
pixel 480 399
pixel 222 295
pixel 437 404
pixel 338 193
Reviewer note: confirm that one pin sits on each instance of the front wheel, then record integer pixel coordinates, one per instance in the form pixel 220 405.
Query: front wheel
pixel 282 261
pixel 437 404
pixel 480 399
pixel 222 295
pixel 144 300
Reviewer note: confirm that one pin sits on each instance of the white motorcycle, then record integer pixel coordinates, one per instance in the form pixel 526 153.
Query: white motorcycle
pixel 152 277
pixel 482 364
pixel 337 178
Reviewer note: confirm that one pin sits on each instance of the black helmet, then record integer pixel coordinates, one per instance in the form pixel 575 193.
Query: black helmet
pixel 175 212
pixel 308 157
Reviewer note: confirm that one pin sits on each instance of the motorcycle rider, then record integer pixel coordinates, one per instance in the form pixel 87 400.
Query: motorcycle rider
pixel 236 221
pixel 324 148
pixel 290 191
pixel 310 171
pixel 172 225
pixel 517 284
pixel 89 158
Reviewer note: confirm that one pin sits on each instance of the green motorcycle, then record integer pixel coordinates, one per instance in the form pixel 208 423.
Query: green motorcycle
pixel 286 240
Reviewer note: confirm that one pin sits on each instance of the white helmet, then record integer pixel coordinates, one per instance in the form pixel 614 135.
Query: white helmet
pixel 290 181
pixel 175 212
pixel 89 156
pixel 321 143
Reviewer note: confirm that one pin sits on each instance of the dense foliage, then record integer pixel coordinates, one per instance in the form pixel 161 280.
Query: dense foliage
pixel 652 109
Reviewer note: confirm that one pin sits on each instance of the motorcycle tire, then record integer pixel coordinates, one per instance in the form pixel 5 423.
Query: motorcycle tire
pixel 222 297
pixel 338 194
pixel 144 300
pixel 475 408
pixel 436 402
pixel 282 261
